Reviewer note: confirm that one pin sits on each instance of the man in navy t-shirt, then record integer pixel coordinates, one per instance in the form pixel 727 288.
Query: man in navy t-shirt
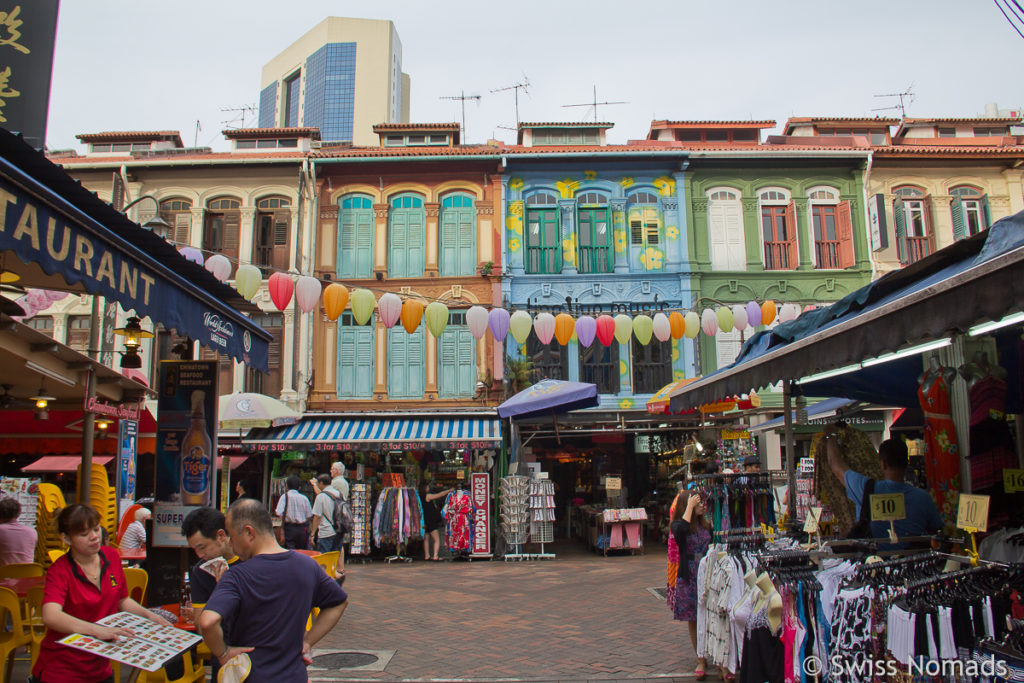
pixel 922 518
pixel 266 600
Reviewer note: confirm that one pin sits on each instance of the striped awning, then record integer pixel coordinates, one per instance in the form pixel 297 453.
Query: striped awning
pixel 387 433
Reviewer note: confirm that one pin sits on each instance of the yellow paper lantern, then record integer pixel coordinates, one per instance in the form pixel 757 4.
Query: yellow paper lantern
pixel 643 327
pixel 678 324
pixel 248 280
pixel 623 328
pixel 725 319
pixel 437 318
pixel 692 321
pixel 412 313
pixel 768 312
pixel 335 300
pixel 565 328
pixel 363 303
pixel 520 325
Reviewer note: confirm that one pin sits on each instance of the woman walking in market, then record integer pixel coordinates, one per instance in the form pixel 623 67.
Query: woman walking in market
pixel 687 543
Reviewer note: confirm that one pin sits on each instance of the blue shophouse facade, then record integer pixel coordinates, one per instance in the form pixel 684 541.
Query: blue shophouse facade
pixel 592 231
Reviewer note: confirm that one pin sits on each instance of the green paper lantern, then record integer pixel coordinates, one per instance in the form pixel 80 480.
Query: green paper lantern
pixel 362 303
pixel 692 323
pixel 643 328
pixel 623 328
pixel 437 318
pixel 520 325
pixel 248 280
pixel 726 321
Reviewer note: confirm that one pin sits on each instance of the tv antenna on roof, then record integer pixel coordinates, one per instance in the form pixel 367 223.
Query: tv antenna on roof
pixel 906 99
pixel 595 104
pixel 524 85
pixel 241 112
pixel 462 98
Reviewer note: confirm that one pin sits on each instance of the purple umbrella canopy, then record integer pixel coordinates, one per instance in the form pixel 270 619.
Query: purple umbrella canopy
pixel 550 396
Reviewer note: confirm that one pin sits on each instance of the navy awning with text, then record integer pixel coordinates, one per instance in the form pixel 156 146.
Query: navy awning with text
pixel 384 432
pixel 67 238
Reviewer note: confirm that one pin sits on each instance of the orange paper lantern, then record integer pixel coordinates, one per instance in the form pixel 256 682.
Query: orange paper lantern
pixel 412 313
pixel 335 300
pixel 768 312
pixel 564 327
pixel 677 323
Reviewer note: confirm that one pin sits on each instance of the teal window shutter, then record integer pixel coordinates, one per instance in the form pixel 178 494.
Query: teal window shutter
pixel 355 358
pixel 466 363
pixel 458 235
pixel 956 207
pixel 901 229
pixel 406 373
pixel 407 237
pixel 456 363
pixel 355 237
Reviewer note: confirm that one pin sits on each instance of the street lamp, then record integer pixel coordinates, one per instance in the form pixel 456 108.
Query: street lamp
pixel 155 224
pixel 133 335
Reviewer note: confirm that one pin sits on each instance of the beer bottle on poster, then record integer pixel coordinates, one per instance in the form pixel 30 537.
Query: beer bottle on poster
pixel 196 454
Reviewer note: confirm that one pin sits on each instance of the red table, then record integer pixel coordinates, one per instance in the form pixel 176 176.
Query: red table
pixel 132 555
pixel 311 553
pixel 175 609
pixel 23 585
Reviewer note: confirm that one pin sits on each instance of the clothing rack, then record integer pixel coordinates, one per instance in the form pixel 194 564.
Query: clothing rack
pixel 734 475
pixel 950 576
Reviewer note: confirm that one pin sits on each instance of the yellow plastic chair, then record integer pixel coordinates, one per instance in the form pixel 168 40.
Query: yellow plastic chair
pixel 194 671
pixel 56 554
pixel 16 636
pixel 137 580
pixel 328 561
pixel 21 570
pixel 34 623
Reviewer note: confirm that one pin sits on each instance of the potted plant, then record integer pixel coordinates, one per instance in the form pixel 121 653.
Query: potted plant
pixel 486 268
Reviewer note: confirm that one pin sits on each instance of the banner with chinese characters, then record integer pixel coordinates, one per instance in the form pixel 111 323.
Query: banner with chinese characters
pixel 27 32
pixel 480 491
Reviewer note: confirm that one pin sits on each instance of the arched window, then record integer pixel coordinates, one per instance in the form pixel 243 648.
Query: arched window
pixel 543 234
pixel 594 248
pixel 221 226
pixel 969 208
pixel 913 218
pixel 778 229
pixel 355 236
pixel 823 195
pixel 726 233
pixel 831 228
pixel 644 220
pixel 178 214
pixel 642 197
pixel 458 235
pixel 407 236
pixel 270 243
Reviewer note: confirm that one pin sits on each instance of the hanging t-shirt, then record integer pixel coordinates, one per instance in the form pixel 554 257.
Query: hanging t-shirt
pixel 922 516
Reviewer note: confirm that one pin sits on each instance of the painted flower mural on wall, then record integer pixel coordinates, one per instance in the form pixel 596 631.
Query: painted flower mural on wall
pixel 666 186
pixel 515 184
pixel 672 232
pixel 621 242
pixel 626 181
pixel 590 175
pixel 514 244
pixel 569 250
pixel 623 369
pixel 625 403
pixel 567 187
pixel 652 258
pixel 678 375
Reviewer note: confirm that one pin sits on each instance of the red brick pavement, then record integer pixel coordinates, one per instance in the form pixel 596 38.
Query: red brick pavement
pixel 579 617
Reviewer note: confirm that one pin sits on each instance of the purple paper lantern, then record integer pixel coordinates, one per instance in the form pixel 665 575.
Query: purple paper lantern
pixel 497 321
pixel 753 314
pixel 586 330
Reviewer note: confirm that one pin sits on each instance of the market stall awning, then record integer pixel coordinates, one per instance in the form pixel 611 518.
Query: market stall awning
pixel 66 238
pixel 970 282
pixel 62 463
pixel 386 432
pixel 659 403
pixel 820 410
pixel 236 461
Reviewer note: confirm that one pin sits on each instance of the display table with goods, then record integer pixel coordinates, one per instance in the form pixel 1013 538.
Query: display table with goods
pixel 607 529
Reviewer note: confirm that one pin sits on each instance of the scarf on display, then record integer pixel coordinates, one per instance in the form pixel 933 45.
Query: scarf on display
pixel 398 517
pixel 860 456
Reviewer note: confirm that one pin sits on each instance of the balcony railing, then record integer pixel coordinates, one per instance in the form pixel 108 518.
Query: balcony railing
pixel 542 259
pixel 263 256
pixel 594 260
pixel 776 256
pixel 826 253
pixel 916 248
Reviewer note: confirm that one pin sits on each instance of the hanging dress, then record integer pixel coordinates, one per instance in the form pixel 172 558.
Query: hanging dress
pixel 991 441
pixel 942 459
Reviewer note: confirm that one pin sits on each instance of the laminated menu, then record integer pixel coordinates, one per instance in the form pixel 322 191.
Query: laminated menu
pixel 150 649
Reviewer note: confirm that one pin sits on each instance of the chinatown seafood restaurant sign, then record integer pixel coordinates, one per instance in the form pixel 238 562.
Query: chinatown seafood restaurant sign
pixel 480 492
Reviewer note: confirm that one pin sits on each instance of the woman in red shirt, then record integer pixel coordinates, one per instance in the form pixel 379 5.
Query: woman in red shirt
pixel 83 586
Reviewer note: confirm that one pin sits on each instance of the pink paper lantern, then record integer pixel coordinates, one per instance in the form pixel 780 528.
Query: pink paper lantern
pixel 586 329
pixel 544 327
pixel 390 308
pixel 497 321
pixel 476 320
pixel 219 265
pixel 709 322
pixel 307 293
pixel 192 254
pixel 281 288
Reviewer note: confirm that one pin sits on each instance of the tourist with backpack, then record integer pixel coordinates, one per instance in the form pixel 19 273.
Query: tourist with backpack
pixel 325 517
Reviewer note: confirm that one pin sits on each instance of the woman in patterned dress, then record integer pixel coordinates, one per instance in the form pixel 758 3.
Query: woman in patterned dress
pixel 692 534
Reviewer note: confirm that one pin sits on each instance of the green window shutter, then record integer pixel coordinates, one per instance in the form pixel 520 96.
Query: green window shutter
pixel 364 356
pixel 346 362
pixel 398 238
pixel 466 241
pixel 363 243
pixel 449 242
pixel 417 245
pixel 406 373
pixel 466 362
pixel 447 363
pixel 415 367
pixel 346 243
pixel 956 207
pixel 901 228
pixel 986 216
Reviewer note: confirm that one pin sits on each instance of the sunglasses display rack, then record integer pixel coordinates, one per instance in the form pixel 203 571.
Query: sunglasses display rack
pixel 361 531
pixel 527 516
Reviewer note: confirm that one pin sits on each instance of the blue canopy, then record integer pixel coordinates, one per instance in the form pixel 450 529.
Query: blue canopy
pixel 969 282
pixel 68 238
pixel 550 396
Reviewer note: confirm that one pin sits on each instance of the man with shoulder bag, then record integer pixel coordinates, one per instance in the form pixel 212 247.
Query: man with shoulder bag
pixel 295 512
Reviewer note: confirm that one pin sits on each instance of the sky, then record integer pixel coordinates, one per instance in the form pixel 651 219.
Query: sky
pixel 131 65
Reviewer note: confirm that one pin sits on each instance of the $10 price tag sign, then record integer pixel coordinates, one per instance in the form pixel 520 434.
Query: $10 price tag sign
pixel 972 514
pixel 888 507
pixel 1013 480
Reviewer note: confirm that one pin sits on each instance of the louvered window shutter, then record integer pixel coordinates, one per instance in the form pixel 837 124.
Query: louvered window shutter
pixel 272 382
pixel 986 216
pixel 363 243
pixel 182 228
pixel 467 241
pixel 956 208
pixel 282 221
pixel 397 363
pixel 466 362
pixel 364 354
pixel 448 360
pixel 900 219
pixel 717 236
pixel 844 232
pixel 346 362
pixel 415 368
pixel 347 243
pixel 398 237
pixel 232 225
pixel 417 243
pixel 929 229
pixel 791 242
pixel 450 242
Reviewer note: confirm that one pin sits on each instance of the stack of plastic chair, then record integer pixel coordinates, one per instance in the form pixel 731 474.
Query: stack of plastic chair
pixel 15 635
pixel 34 624
pixel 103 499
pixel 51 502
